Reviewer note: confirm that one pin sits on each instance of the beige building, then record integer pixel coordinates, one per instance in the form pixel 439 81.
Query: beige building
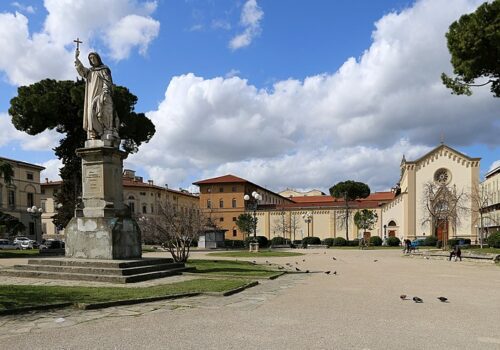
pixel 400 212
pixel 21 194
pixel 406 214
pixel 143 199
pixel 491 196
pixel 288 193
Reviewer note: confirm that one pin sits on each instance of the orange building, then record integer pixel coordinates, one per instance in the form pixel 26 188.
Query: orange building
pixel 221 199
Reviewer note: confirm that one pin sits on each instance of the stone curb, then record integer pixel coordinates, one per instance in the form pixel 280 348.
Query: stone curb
pixel 489 258
pixel 233 291
pixel 20 310
pixel 272 277
pixel 93 306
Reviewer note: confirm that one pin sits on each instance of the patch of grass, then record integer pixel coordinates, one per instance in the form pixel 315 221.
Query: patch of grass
pixel 15 296
pixel 260 254
pixel 230 268
pixel 18 253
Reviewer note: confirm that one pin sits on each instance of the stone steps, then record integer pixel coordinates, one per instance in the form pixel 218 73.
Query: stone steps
pixel 99 270
pixel 111 271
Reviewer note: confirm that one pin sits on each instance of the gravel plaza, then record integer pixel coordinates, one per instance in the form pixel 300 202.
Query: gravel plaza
pixel 359 308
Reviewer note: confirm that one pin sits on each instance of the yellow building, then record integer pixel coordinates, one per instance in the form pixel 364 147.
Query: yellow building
pixel 143 199
pixel 21 194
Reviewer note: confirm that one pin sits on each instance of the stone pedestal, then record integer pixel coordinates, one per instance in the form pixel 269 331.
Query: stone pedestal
pixel 102 227
pixel 253 247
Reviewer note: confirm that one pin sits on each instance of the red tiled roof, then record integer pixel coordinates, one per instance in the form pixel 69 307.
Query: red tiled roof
pixel 221 179
pixel 328 200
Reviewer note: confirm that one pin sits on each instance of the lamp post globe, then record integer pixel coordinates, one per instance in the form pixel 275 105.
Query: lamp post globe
pixel 253 202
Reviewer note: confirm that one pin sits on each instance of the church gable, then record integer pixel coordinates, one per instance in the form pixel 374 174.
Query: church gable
pixel 443 152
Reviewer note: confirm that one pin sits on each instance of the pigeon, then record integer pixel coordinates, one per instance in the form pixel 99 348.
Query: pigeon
pixel 215 261
pixel 267 262
pixel 327 272
pixel 427 257
pixel 443 299
pixel 254 262
pixel 375 260
pixel 307 271
pixel 280 267
pixel 303 260
pixel 403 296
pixel 333 258
pixel 297 269
pixel 296 263
pixel 324 252
pixel 334 272
pixel 417 300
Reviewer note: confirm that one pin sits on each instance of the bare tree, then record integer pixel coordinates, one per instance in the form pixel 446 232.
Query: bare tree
pixel 294 225
pixel 174 229
pixel 281 224
pixel 443 204
pixel 481 199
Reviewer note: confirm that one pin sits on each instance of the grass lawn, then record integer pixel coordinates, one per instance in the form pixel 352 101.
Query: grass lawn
pixel 22 296
pixel 230 268
pixel 260 254
pixel 18 253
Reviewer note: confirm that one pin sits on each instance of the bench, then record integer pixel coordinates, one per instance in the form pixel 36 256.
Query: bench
pixel 315 246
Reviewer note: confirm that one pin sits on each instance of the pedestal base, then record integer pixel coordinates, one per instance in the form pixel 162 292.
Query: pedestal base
pixel 253 247
pixel 103 238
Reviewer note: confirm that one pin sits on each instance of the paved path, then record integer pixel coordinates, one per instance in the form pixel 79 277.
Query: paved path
pixel 357 309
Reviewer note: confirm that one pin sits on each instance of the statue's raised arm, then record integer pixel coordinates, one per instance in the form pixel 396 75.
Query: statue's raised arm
pixel 99 119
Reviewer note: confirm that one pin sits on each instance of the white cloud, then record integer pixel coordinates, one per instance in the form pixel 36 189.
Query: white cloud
pixel 131 31
pixel 51 171
pixel 44 141
pixel 232 73
pixel 221 24
pixel 251 15
pixel 22 7
pixel 354 123
pixel 119 25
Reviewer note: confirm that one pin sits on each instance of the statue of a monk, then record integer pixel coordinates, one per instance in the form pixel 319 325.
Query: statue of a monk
pixel 99 119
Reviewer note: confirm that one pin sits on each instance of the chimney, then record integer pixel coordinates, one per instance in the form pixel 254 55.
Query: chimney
pixel 166 185
pixel 46 180
pixel 150 182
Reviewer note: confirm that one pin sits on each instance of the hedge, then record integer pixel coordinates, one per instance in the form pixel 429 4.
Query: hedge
pixel 234 243
pixel 339 242
pixel 328 242
pixel 393 241
pixel 430 241
pixel 310 240
pixel 460 241
pixel 376 241
pixel 494 240
pixel 262 240
pixel 279 241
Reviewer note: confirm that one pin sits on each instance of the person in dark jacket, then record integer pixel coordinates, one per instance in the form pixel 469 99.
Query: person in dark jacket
pixel 456 252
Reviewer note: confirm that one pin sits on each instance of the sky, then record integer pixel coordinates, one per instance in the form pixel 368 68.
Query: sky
pixel 286 94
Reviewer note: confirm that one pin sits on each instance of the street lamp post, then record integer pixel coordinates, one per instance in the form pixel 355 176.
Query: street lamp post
pixel 35 214
pixel 385 231
pixel 307 218
pixel 254 202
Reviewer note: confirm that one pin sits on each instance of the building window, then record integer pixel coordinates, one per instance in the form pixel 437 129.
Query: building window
pixel 44 228
pixel 12 198
pixel 152 208
pixel 29 176
pixel 233 203
pixel 144 209
pixel 234 218
pixel 221 189
pixel 44 205
pixel 132 207
pixel 209 203
pixel 235 233
pixel 30 200
pixel 142 193
pixel 221 203
pixel 222 219
pixel 233 189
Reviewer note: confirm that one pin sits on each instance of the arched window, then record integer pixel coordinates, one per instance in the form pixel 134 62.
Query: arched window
pixel 392 223
pixel 221 203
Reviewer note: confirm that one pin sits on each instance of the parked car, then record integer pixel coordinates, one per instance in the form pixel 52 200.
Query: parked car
pixel 19 239
pixel 6 244
pixel 26 244
pixel 52 244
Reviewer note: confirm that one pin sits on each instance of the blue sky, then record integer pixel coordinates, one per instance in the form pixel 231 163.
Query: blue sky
pixel 295 93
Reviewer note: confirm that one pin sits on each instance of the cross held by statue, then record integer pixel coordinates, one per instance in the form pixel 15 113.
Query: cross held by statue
pixel 78 42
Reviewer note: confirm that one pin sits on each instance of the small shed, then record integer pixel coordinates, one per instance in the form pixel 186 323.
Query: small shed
pixel 212 238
